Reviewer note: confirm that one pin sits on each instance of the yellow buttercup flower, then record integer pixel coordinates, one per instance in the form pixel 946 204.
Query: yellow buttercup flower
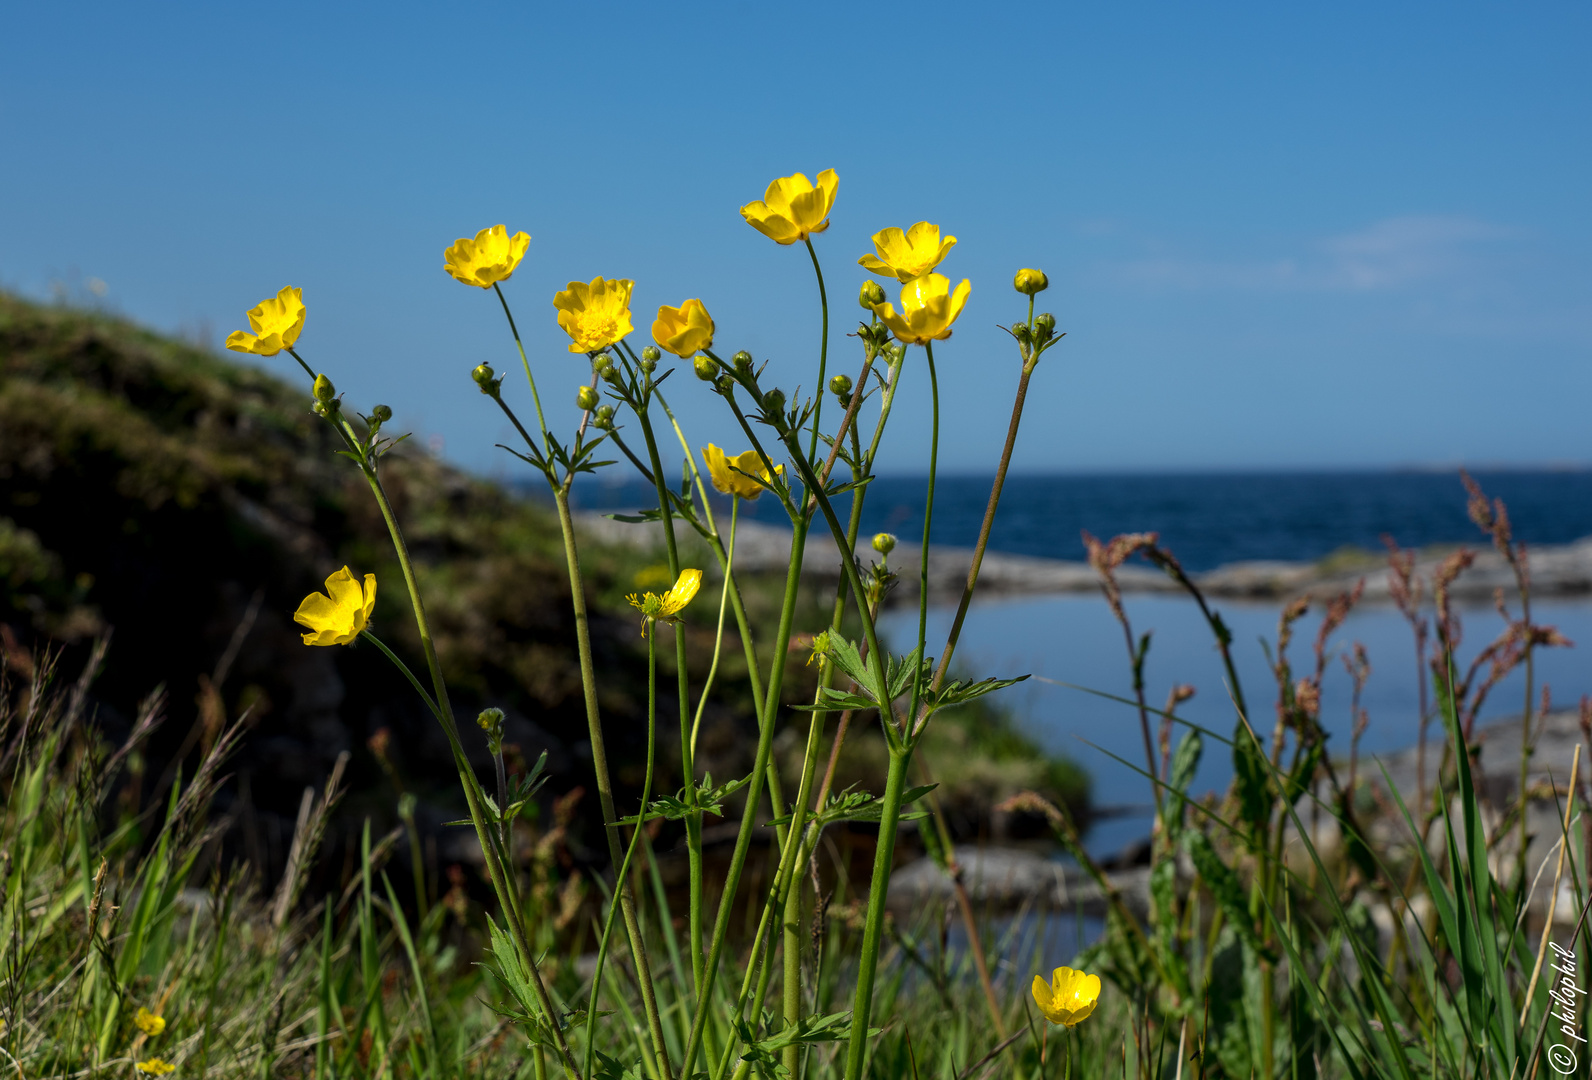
pixel 276 324
pixel 148 1022
pixel 488 259
pixel 907 255
pixel 793 209
pixel 155 1067
pixel 722 471
pixel 338 615
pixel 595 315
pixel 928 308
pixel 665 608
pixel 1070 996
pixel 685 330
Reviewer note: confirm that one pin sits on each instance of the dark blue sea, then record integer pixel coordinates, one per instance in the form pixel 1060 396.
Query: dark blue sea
pixel 1207 519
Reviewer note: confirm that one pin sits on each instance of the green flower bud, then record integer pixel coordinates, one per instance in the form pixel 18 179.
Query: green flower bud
pixel 884 543
pixel 1020 332
pixel 742 361
pixel 485 378
pixel 870 294
pixel 612 375
pixel 602 365
pixel 381 414
pixel 649 358
pixel 586 398
pixel 707 368
pixel 1044 328
pixel 324 390
pixel 1029 282
pixel 327 409
pixel 491 722
pixel 840 386
pixel 604 417
pixel 774 402
pixel 723 384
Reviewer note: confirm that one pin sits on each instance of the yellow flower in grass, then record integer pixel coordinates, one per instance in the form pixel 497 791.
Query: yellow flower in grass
pixel 488 259
pixel 155 1067
pixel 685 330
pixel 1069 998
pixel 722 471
pixel 276 324
pixel 792 208
pixel 665 608
pixel 148 1022
pixel 338 615
pixel 594 315
pixel 907 255
pixel 928 308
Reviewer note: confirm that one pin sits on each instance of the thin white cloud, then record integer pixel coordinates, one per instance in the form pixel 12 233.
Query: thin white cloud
pixel 1387 255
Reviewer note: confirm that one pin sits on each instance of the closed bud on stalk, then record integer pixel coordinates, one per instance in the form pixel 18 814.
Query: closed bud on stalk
pixel 1029 282
pixel 485 378
pixel 602 364
pixel 870 294
pixel 1044 328
pixel 586 398
pixel 840 386
pixel 774 402
pixel 723 384
pixel 491 722
pixel 884 543
pixel 324 390
pixel 612 375
pixel 604 417
pixel 649 358
pixel 328 409
pixel 1021 333
pixel 381 414
pixel 707 368
pixel 742 361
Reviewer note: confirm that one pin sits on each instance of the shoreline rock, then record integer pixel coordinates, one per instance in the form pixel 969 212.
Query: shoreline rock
pixel 1559 570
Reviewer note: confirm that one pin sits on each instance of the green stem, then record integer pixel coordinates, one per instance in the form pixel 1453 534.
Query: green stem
pixel 444 711
pixel 605 787
pixel 900 757
pixel 712 537
pixel 928 521
pixel 403 667
pixel 623 873
pixel 873 929
pixel 535 397
pixel 765 743
pixel 792 943
pixel 988 524
pixel 823 351
pixel 307 369
pixel 718 638
pixel 693 821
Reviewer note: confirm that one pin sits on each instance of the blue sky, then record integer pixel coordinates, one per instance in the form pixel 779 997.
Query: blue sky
pixel 1277 235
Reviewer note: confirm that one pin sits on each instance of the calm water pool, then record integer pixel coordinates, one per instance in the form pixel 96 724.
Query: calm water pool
pixel 1074 639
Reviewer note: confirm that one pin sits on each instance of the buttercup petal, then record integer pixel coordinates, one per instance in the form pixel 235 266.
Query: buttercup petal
pixel 829 183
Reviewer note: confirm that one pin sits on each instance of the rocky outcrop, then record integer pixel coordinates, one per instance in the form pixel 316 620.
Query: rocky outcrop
pixel 1562 570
